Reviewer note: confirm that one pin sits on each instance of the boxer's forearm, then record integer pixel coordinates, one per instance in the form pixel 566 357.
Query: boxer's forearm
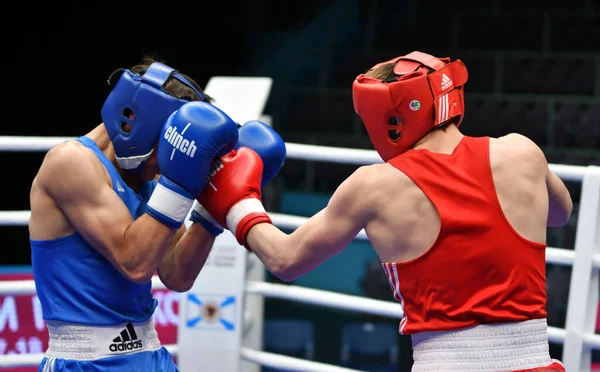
pixel 136 252
pixel 183 262
pixel 273 247
pixel 289 256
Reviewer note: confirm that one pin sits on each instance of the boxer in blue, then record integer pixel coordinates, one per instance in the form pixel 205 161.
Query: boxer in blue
pixel 107 213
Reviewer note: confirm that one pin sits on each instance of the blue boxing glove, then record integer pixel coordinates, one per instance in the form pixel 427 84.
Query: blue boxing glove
pixel 190 139
pixel 267 143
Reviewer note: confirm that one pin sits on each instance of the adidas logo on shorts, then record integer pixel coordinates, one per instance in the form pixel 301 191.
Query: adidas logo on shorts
pixel 446 82
pixel 126 341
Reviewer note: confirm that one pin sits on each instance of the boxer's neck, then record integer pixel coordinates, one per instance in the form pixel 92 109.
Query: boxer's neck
pixel 442 140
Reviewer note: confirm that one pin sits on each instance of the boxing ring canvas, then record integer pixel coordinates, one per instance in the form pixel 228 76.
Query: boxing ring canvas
pixel 220 318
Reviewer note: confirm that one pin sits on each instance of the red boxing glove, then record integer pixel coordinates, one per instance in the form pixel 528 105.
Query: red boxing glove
pixel 232 195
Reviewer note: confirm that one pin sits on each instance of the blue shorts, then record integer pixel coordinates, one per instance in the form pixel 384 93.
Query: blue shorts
pixel 145 361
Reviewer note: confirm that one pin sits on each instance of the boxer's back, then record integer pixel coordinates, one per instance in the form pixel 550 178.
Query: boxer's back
pixel 461 237
pixel 461 234
pixel 519 180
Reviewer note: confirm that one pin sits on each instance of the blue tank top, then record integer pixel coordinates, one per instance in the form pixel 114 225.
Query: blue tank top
pixel 76 284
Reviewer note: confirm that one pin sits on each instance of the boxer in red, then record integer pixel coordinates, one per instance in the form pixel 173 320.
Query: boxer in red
pixel 458 222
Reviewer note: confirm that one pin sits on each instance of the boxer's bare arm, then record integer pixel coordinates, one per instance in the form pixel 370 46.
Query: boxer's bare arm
pixel 289 256
pixel 560 202
pixel 76 181
pixel 185 257
pixel 183 261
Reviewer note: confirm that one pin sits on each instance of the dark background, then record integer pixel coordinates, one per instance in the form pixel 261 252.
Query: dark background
pixel 56 60
pixel 534 69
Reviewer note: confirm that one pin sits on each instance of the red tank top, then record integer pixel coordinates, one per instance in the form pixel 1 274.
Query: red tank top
pixel 479 270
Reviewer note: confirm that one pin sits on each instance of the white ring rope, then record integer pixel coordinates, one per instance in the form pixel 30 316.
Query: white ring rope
pixel 288 363
pixel 294 151
pixel 21 360
pixel 326 299
pixel 557 256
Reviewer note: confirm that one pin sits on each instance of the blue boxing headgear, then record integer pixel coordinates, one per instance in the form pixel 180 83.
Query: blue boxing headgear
pixel 140 100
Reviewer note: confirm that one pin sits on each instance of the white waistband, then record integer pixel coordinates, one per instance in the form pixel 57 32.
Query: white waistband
pixel 486 347
pixel 83 342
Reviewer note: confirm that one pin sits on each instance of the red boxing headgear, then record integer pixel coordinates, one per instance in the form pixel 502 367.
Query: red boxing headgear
pixel 428 91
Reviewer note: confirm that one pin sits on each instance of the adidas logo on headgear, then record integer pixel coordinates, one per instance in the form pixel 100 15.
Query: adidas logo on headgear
pixel 126 341
pixel 446 82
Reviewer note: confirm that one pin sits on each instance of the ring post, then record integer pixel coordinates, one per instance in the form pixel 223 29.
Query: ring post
pixel 582 305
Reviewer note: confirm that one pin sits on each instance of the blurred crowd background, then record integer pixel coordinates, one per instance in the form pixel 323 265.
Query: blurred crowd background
pixel 534 68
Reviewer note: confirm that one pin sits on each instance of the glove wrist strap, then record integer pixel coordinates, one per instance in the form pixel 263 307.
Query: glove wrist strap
pixel 201 216
pixel 168 206
pixel 247 223
pixel 241 210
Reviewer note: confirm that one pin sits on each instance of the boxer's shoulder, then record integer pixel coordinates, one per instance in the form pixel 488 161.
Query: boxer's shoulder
pixel 515 142
pixel 377 176
pixel 68 152
pixel 374 182
pixel 365 177
pixel 515 146
pixel 70 160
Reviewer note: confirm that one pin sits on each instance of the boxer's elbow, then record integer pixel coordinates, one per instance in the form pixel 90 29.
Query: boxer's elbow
pixel 284 274
pixel 139 277
pixel 279 263
pixel 176 279
pixel 139 274
pixel 288 268
pixel 560 203
pixel 135 268
pixel 179 286
pixel 278 267
pixel 182 287
pixel 559 212
pixel 559 217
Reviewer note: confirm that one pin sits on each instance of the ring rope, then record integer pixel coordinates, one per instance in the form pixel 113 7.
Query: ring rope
pixel 294 151
pixel 288 363
pixel 559 256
